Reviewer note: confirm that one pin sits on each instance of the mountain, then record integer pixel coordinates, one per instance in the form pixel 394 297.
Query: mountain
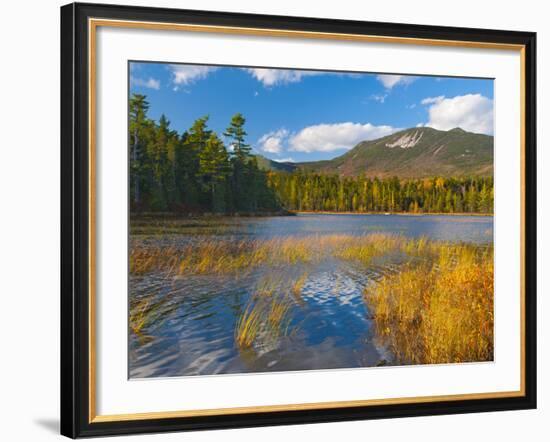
pixel 274 166
pixel 412 153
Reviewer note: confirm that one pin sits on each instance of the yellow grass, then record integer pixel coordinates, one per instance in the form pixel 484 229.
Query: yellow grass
pixel 438 308
pixel 147 311
pixel 364 248
pixel 438 312
pixel 138 316
pixel 226 256
pixel 144 313
pixel 266 316
pixel 221 256
pixel 249 326
pixel 264 319
pixel 298 285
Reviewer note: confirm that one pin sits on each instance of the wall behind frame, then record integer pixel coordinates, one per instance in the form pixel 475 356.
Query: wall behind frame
pixel 29 190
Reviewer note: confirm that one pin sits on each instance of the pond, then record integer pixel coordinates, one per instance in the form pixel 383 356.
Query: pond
pixel 204 322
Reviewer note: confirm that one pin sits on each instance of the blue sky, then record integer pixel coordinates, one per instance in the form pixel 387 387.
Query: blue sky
pixel 298 115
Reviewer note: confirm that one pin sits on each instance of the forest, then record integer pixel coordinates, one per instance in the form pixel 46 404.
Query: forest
pixel 302 191
pixel 197 172
pixel 193 172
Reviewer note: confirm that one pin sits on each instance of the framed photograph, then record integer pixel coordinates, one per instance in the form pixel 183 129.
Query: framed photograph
pixel 274 220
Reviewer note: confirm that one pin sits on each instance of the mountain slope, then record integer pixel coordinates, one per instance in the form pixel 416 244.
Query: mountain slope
pixel 274 166
pixel 414 153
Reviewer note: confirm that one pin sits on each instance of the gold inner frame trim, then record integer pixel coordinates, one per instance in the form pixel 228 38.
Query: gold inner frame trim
pixel 93 24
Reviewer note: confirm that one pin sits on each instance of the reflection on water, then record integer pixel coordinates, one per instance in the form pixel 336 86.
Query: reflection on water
pixel 192 330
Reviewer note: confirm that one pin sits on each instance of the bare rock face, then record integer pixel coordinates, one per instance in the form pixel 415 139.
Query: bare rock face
pixel 407 140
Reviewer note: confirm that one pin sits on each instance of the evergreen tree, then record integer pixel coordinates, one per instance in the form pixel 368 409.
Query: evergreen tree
pixel 158 155
pixel 138 125
pixel 236 134
pixel 242 172
pixel 214 170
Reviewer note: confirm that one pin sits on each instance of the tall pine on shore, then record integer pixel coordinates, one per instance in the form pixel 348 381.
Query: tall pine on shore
pixel 240 157
pixel 214 169
pixel 139 136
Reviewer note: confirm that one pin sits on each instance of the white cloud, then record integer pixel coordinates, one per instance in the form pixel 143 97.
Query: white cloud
pixel 150 83
pixel 277 77
pixel 390 81
pixel 273 142
pixel 432 100
pixel 471 112
pixel 329 137
pixel 379 97
pixel 284 160
pixel 274 77
pixel 188 74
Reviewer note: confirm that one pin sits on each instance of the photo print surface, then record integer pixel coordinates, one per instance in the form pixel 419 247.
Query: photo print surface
pixel 285 219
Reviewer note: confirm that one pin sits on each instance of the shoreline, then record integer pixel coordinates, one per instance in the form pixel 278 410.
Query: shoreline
pixel 201 215
pixel 324 212
pixel 207 215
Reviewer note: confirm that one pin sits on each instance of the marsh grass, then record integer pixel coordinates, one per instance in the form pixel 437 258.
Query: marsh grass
pixel 297 286
pixel 365 248
pixel 221 256
pixel 143 313
pixel 227 256
pixel 439 310
pixel 169 225
pixel 147 311
pixel 263 321
pixel 266 316
pixel 436 307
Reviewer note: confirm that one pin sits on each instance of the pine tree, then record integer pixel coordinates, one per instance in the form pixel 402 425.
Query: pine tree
pixel 243 173
pixel 236 134
pixel 138 124
pixel 214 169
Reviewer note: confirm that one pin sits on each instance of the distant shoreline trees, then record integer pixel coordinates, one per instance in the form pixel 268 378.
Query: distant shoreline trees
pixel 195 172
pixel 306 191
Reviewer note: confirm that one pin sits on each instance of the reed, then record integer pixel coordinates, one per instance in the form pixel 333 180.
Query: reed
pixel 439 311
pixel 226 256
pixel 262 322
pixel 249 326
pixel 266 316
pixel 149 311
pixel 436 308
pixel 146 312
pixel 220 256
pixel 365 248
pixel 298 285
pixel 138 316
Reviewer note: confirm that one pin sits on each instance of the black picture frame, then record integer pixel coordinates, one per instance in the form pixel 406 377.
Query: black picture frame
pixel 75 221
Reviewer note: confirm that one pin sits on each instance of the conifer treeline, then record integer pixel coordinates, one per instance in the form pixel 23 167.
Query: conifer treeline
pixel 314 192
pixel 193 172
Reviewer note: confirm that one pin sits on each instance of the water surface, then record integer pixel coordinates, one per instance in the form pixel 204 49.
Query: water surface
pixel 329 325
